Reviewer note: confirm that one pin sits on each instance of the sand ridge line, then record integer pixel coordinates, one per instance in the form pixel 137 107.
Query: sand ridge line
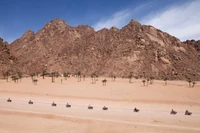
pixel 105 99
pixel 88 119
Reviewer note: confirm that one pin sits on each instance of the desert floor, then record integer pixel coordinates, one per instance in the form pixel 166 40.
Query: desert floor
pixel 121 97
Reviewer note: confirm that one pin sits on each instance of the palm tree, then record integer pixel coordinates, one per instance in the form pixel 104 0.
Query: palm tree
pixel 165 79
pixel 32 76
pixel 79 76
pixel 19 75
pixel 144 81
pixel 151 80
pixel 43 73
pixel 83 77
pixel 35 81
pixel 53 77
pixel 114 77
pixel 144 75
pixel 65 75
pixel 189 81
pixel 57 74
pixel 7 75
pixel 193 83
pixel 15 79
pixel 130 77
pixel 148 80
pixel 104 82
pixel 97 77
pixel 93 75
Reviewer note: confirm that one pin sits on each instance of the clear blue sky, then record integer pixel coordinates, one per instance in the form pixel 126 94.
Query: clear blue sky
pixel 17 16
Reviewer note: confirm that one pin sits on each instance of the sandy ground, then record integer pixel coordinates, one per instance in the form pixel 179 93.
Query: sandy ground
pixel 154 101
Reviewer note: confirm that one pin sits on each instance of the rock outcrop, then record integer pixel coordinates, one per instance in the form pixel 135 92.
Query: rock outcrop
pixel 7 61
pixel 141 49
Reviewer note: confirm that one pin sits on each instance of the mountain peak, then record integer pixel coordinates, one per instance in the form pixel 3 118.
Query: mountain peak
pixel 57 23
pixel 134 23
pixel 58 20
pixel 28 33
pixel 114 28
pixel 132 26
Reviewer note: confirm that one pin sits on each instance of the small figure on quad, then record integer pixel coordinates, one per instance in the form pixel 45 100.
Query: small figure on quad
pixel 188 113
pixel 173 112
pixel 105 108
pixel 53 104
pixel 136 110
pixel 30 102
pixel 68 105
pixel 90 107
pixel 9 100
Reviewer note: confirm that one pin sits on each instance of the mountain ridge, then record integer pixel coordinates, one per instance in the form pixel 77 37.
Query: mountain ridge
pixel 134 48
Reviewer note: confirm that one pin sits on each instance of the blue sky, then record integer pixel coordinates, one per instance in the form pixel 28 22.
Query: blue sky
pixel 180 18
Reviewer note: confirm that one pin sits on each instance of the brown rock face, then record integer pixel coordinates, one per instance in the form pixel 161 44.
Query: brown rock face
pixel 7 61
pixel 195 44
pixel 143 50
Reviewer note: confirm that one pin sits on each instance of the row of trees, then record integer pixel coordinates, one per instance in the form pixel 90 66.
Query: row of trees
pixel 79 75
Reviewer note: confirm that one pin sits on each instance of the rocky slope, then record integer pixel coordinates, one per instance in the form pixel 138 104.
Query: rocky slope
pixel 7 61
pixel 141 49
pixel 195 44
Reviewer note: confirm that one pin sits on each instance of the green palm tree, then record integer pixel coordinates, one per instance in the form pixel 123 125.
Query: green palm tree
pixel 7 75
pixel 104 82
pixel 193 83
pixel 144 81
pixel 65 75
pixel 53 77
pixel 35 81
pixel 165 79
pixel 19 74
pixel 130 78
pixel 32 76
pixel 57 74
pixel 44 71
pixel 79 76
pixel 144 74
pixel 148 80
pixel 189 81
pixel 114 77
pixel 151 80
pixel 15 79
pixel 97 78
pixel 93 76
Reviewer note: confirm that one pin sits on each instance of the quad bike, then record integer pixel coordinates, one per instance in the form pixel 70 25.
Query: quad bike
pixel 68 105
pixel 136 110
pixel 90 107
pixel 30 102
pixel 105 108
pixel 173 112
pixel 188 113
pixel 53 104
pixel 9 100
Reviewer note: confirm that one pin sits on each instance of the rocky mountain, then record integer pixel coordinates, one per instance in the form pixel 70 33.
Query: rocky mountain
pixel 7 61
pixel 195 44
pixel 141 49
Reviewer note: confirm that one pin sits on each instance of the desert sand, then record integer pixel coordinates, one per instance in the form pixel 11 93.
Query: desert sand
pixel 121 97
